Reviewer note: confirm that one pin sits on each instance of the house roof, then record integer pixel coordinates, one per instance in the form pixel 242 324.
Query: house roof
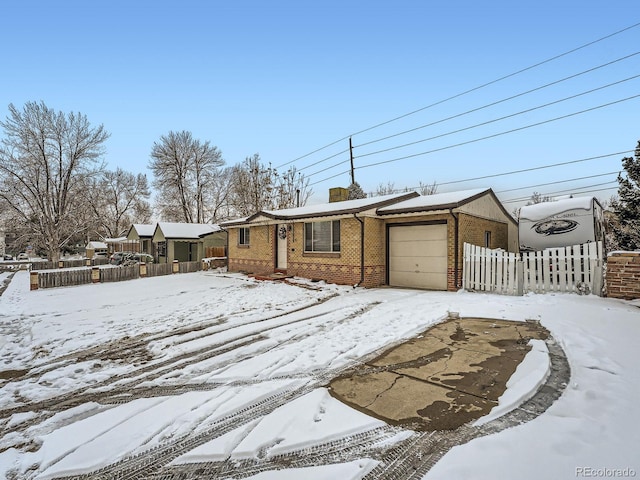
pixel 96 245
pixel 543 210
pixel 187 230
pixel 437 201
pixel 143 229
pixel 327 209
pixel 116 240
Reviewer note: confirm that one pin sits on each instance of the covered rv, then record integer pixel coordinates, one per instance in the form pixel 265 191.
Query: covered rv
pixel 561 223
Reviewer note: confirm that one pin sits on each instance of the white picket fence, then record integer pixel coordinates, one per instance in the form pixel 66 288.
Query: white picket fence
pixel 577 268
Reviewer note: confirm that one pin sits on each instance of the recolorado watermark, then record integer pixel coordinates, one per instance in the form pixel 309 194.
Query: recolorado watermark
pixel 592 472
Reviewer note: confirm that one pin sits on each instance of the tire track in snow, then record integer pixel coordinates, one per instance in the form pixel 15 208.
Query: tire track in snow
pixel 409 459
pixel 126 390
pixel 118 348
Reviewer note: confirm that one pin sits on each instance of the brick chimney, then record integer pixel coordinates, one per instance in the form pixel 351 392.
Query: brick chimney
pixel 338 194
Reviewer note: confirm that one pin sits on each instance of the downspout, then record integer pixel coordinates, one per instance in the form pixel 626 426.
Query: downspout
pixel 226 247
pixel 455 249
pixel 361 249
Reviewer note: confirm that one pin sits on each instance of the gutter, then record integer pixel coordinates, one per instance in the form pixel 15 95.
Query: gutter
pixel 361 249
pixel 455 251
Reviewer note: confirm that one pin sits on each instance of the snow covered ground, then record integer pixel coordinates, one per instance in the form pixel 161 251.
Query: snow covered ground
pixel 104 372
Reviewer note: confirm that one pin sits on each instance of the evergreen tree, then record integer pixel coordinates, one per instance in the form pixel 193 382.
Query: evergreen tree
pixel 355 191
pixel 627 207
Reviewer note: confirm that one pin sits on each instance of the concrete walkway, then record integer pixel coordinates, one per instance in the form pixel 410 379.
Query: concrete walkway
pixel 450 375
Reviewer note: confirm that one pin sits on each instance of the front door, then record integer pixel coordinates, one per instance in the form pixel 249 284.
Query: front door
pixel 281 253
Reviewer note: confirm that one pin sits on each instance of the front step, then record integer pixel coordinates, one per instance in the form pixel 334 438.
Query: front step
pixel 278 275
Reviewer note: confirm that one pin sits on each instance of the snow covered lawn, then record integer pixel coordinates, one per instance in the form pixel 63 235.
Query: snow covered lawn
pixel 225 368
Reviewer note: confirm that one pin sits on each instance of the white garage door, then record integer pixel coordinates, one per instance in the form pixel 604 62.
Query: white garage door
pixel 418 256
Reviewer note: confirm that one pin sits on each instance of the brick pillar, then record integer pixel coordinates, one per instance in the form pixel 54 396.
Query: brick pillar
pixel 60 264
pixel 95 274
pixel 176 266
pixel 33 280
pixel 143 269
pixel 623 275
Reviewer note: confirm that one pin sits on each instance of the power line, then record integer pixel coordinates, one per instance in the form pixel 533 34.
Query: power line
pixel 571 190
pixel 542 167
pixel 502 174
pixel 329 178
pixel 476 139
pixel 500 133
pixel 466 92
pixel 559 181
pixel 324 160
pixel 498 101
pixel 499 118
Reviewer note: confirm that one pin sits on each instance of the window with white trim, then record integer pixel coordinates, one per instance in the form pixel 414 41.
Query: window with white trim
pixel 243 236
pixel 322 236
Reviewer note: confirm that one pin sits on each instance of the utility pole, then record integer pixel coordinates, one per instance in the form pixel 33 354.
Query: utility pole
pixel 353 177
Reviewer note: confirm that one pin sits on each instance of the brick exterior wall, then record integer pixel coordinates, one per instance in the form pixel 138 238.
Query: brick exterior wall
pixel 623 275
pixel 258 257
pixel 344 267
pixel 472 230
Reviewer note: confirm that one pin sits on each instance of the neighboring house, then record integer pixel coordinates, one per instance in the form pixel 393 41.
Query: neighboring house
pixel 186 242
pixel 95 248
pixel 403 240
pixel 121 244
pixel 143 234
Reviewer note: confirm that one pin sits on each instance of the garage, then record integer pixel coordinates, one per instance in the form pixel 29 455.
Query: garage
pixel 417 256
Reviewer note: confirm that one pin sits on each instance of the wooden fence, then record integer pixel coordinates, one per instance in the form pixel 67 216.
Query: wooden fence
pixel 120 273
pixel 210 252
pixel 63 278
pixel 86 275
pixel 157 269
pixel 576 268
pixel 189 267
pixel 83 262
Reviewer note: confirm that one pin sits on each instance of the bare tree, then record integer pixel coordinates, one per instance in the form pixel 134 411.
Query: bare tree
pixel 255 187
pixel 535 199
pixel 292 189
pixel 216 198
pixel 252 187
pixel 383 189
pixel 121 198
pixel 184 170
pixel 539 198
pixel 46 160
pixel 389 188
pixel 427 189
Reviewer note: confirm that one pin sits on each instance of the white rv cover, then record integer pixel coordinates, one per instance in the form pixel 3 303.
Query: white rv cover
pixel 557 224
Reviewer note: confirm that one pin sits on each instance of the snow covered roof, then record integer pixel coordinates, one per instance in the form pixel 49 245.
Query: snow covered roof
pixel 235 221
pixel 144 230
pixel 546 209
pixel 187 230
pixel 437 201
pixel 96 245
pixel 116 240
pixel 327 209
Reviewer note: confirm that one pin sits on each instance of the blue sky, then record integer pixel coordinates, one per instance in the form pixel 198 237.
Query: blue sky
pixel 283 79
